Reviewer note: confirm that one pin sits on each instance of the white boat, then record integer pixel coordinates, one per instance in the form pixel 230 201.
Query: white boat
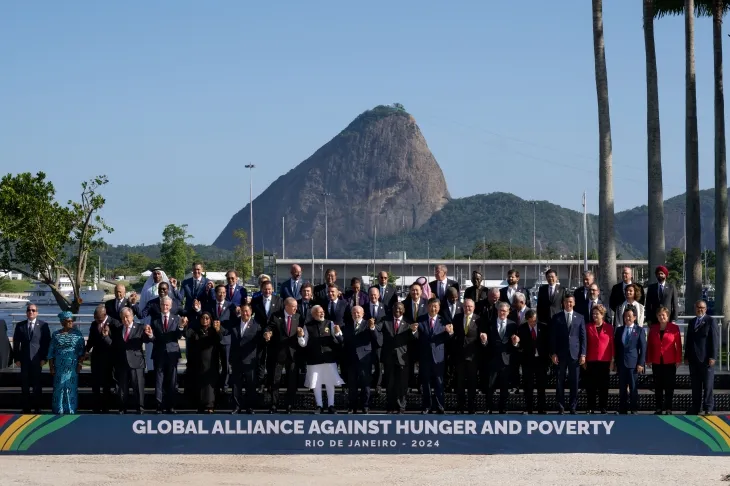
pixel 13 303
pixel 41 293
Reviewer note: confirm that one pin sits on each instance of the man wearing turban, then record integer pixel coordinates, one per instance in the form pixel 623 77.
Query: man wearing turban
pixel 661 294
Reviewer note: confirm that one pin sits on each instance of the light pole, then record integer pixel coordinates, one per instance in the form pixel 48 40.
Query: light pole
pixel 325 194
pixel 534 226
pixel 250 206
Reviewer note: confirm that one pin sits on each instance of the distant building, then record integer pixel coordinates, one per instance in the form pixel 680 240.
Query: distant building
pixel 10 275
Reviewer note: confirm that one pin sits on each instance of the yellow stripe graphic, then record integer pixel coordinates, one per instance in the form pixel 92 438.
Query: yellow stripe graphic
pixel 7 437
pixel 722 428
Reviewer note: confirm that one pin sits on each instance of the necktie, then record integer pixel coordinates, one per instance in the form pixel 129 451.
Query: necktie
pixel 220 310
pixel 267 306
pixel 230 292
pixel 550 292
pixel 534 334
pixel 373 312
pixel 661 292
pixel 569 319
pixel 195 288
pixel 433 320
pixel 442 290
pixel 627 336
pixel 126 333
pixel 415 311
pixel 288 325
pixel 697 322
pixel 332 309
pixel 466 326
pixel 453 310
pixel 382 293
pixel 397 324
pixel 590 309
pixel 294 287
pixel 32 328
pixel 119 305
pixel 166 323
pixel 501 329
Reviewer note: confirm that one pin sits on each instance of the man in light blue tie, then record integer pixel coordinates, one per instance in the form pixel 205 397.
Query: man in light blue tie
pixel 630 357
pixel 701 343
pixel 440 286
pixel 293 286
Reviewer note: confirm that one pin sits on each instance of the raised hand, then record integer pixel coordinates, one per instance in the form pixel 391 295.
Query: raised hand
pixel 483 337
pixel 196 305
pixel 217 326
pixel 148 330
pixel 371 322
pixel 300 333
pixel 184 322
pixel 515 339
pixel 105 330
pixel 450 328
pixel 267 336
pixel 134 298
pixel 210 285
pixel 173 282
pixel 337 329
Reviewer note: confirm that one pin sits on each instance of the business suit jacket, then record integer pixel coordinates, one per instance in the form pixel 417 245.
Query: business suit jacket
pixel 225 317
pixel 517 316
pixel 445 310
pixel 653 302
pixel 5 349
pixel 528 346
pixel 31 350
pixel 523 290
pixel 547 307
pixel 487 312
pixel 153 309
pixel 388 296
pixel 422 309
pixel 701 342
pixel 304 309
pixel 632 354
pixel 165 342
pixel 380 312
pixel 111 308
pixel 449 283
pixel 568 343
pixel 287 290
pixel 582 296
pixel 500 351
pixel 127 353
pixel 342 313
pixel 191 294
pixel 361 342
pixel 283 346
pixel 259 309
pixel 432 343
pixel 396 344
pixel 235 295
pixel 361 299
pixel 618 296
pixel 466 345
pixel 97 345
pixel 246 347
pixel 471 293
pixel 319 293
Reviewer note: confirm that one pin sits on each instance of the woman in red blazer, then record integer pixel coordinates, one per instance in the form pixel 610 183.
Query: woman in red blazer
pixel 599 359
pixel 664 355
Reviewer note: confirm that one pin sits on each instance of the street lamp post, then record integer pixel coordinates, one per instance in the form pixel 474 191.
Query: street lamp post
pixel 250 205
pixel 326 236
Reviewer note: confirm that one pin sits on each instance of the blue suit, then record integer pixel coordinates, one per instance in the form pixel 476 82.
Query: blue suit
pixel 569 344
pixel 30 350
pixel 360 346
pixel 191 293
pixel 701 343
pixel 630 352
pixel 165 355
pixel 432 344
pixel 235 295
pixel 287 290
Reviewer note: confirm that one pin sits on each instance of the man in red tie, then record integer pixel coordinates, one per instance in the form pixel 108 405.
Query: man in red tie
pixel 283 353
pixel 126 340
pixel 167 331
pixel 397 335
pixel 433 335
pixel 534 352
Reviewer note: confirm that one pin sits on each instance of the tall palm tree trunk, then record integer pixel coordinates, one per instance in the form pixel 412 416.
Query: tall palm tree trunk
pixel 722 258
pixel 606 232
pixel 654 151
pixel 694 229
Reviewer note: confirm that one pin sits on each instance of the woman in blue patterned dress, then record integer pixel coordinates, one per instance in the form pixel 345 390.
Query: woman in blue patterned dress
pixel 67 346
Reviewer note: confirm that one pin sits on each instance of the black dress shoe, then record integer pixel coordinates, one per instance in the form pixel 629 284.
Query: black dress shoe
pixel 706 413
pixel 541 412
pixel 288 409
pixel 400 412
pixel 331 410
pixel 350 411
pixel 318 410
pixel 440 411
pixel 425 412
pixel 604 411
pixel 458 412
pixel 172 411
pixel 38 411
pixel 502 412
pixel 122 412
pixel 159 411
pixel 561 412
pixel 573 412
pixel 250 411
pixel 366 411
pixel 272 410
pixel 658 412
pixel 236 411
pixel 668 412
pixel 140 411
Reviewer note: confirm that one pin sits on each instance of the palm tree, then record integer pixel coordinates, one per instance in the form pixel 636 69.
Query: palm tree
pixel 654 151
pixel 606 232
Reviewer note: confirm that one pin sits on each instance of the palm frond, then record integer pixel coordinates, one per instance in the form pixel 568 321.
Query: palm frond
pixel 703 8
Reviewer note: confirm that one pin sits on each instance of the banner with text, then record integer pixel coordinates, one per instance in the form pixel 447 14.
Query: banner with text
pixel 363 434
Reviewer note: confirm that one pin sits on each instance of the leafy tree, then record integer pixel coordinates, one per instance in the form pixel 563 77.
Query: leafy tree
pixel 36 232
pixel 242 254
pixel 175 253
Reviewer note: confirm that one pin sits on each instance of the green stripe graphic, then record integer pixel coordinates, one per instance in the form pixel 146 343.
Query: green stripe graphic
pixel 47 429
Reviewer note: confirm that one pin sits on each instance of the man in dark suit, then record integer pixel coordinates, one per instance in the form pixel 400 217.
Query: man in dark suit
pixel 506 294
pixel 519 308
pixel 477 291
pixel 487 309
pixel 360 338
pixel 374 309
pixel 465 350
pixel 415 307
pixel 305 304
pixel 701 343
pixel 293 286
pixel 549 297
pixel 31 340
pixel 594 299
pixel 336 309
pixel 568 351
pixel 501 346
pixel 114 306
pixel 223 311
pixel 281 336
pixel 235 294
pixel 388 293
pixel 321 291
pixel 246 338
pixel 355 296
pixel 534 348
pixel 433 335
pixel 660 294
pixel 102 359
pixel 629 342
pixel 195 288
pixel 263 307
pixel 398 333
pixel 452 307
pixel 440 286
pixel 167 331
pixel 583 296
pixel 618 291
pixel 152 308
pixel 125 339
pixel 5 349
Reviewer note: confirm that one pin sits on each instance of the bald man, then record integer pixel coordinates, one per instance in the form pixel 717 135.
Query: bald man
pixel 114 306
pixel 293 286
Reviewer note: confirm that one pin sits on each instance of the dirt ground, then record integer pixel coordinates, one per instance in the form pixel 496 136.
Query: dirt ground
pixel 579 469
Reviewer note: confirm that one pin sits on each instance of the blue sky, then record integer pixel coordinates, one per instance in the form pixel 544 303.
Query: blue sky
pixel 171 99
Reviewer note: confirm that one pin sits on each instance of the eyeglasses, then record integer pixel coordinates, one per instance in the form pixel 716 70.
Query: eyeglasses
pixel 32 310
pixel 701 308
